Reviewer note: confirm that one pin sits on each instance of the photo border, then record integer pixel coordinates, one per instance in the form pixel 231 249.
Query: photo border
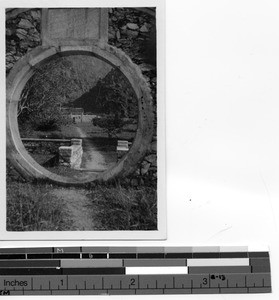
pixel 160 233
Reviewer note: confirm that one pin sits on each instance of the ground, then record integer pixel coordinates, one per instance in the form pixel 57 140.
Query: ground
pixel 44 207
pixel 77 206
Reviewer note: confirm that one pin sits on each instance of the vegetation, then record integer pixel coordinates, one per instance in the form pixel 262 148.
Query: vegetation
pixel 89 83
pixel 34 206
pixel 110 123
pixel 116 96
pixel 113 98
pixel 70 82
pixel 128 208
pixel 31 207
pixel 54 85
pixel 39 107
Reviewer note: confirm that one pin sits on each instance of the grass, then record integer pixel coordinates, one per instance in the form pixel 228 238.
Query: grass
pixel 30 207
pixel 130 208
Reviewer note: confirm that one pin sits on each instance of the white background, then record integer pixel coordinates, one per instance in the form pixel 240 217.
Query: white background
pixel 222 129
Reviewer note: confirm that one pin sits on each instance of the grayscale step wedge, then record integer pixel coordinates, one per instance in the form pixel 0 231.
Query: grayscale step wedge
pixel 133 270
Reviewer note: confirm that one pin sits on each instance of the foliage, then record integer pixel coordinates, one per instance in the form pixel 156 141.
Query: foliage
pixel 116 95
pixel 129 208
pixel 31 207
pixel 110 123
pixel 117 100
pixel 53 85
pixel 115 206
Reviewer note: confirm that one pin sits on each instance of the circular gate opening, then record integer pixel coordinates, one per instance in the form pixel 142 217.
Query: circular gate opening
pixel 77 114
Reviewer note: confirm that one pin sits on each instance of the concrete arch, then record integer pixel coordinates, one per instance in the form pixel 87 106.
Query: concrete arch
pixel 23 71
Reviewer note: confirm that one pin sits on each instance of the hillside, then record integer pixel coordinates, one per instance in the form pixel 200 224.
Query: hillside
pixel 106 96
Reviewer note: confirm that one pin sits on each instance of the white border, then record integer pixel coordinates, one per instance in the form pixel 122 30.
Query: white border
pixel 161 188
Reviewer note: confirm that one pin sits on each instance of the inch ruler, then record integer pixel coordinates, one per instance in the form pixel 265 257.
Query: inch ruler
pixel 133 270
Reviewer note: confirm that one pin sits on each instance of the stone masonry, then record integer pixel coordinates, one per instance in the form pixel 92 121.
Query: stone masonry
pixel 71 156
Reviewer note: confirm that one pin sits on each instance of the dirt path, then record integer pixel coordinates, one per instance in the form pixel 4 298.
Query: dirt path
pixel 81 133
pixel 78 206
pixel 92 159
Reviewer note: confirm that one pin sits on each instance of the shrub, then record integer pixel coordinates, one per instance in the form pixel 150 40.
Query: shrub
pixel 54 85
pixel 121 208
pixel 110 123
pixel 30 207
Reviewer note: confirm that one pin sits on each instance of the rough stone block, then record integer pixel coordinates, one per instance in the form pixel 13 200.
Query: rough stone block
pixel 71 155
pixel 145 167
pixel 154 146
pixel 65 151
pixel 152 159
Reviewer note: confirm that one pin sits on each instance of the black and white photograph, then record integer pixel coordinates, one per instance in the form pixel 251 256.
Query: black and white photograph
pixel 140 148
pixel 84 131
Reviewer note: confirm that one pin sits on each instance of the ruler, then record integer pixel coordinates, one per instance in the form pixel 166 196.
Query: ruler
pixel 133 270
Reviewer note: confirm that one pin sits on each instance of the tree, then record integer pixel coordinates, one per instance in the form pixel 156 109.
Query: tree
pixel 111 123
pixel 116 95
pixel 54 85
pixel 117 100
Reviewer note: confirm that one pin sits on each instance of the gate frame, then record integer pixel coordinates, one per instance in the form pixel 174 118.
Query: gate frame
pixel 23 71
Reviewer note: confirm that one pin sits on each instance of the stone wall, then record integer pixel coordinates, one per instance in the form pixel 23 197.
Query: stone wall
pixel 45 153
pixel 22 35
pixel 43 147
pixel 135 33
